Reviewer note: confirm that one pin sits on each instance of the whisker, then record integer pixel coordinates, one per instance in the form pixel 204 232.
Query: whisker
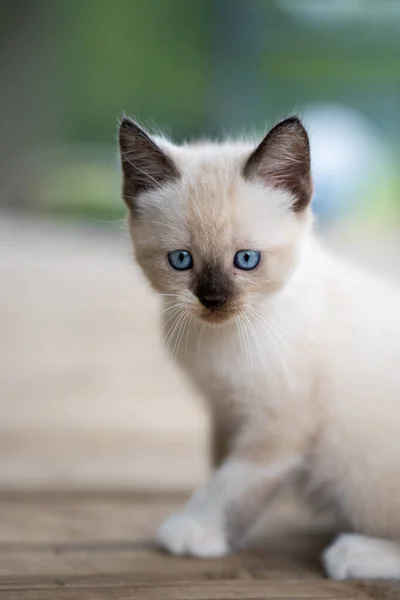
pixel 179 335
pixel 290 335
pixel 175 318
pixel 171 317
pixel 172 295
pixel 270 321
pixel 272 326
pixel 172 307
pixel 237 323
pixel 239 327
pixel 187 333
pixel 246 345
pixel 175 332
pixel 260 351
pixel 268 325
pixel 200 336
pixel 282 312
pixel 279 355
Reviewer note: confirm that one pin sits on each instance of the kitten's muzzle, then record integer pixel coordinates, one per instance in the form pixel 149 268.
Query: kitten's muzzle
pixel 213 301
pixel 213 287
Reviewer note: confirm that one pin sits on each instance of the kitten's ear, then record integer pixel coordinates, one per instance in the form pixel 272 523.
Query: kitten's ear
pixel 145 166
pixel 282 161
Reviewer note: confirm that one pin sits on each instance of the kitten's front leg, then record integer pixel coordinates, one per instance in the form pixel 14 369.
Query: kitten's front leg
pixel 216 519
pixel 223 433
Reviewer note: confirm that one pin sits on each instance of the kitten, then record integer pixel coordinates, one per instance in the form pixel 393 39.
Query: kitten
pixel 295 352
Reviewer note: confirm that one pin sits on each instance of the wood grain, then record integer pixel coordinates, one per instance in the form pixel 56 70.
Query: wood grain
pixel 86 546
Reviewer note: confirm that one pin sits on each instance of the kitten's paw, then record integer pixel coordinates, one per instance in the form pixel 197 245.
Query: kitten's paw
pixel 353 556
pixel 183 533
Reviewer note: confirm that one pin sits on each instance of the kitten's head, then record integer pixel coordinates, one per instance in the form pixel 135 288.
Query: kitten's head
pixel 216 226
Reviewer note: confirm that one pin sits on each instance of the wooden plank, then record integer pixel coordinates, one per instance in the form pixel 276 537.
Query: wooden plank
pixel 100 546
pixel 102 516
pixel 41 565
pixel 215 590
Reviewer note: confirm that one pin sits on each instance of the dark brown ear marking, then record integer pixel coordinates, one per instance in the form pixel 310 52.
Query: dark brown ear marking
pixel 144 165
pixel 282 161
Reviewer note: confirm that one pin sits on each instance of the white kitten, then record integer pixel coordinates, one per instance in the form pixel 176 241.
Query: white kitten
pixel 295 352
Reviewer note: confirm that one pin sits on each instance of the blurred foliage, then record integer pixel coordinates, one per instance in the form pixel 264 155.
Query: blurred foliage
pixel 81 181
pixel 189 67
pixel 145 57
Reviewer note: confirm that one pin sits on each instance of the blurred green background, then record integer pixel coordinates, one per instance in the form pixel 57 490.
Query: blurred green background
pixel 198 68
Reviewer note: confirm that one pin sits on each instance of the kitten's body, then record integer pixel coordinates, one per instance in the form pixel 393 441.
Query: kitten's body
pixel 299 371
pixel 332 386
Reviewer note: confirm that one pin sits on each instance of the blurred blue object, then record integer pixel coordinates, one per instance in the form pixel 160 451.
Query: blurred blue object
pixel 348 157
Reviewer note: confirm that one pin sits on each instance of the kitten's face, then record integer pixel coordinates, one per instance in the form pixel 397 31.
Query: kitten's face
pixel 216 227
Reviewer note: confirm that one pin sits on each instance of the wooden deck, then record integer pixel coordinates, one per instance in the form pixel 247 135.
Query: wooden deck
pixel 98 546
pixel 81 408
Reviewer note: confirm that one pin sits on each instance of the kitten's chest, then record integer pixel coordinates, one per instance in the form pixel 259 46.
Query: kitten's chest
pixel 233 364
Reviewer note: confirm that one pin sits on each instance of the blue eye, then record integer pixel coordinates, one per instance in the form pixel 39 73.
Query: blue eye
pixel 247 259
pixel 180 260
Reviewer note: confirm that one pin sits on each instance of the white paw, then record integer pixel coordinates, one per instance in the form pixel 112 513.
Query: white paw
pixel 353 556
pixel 183 533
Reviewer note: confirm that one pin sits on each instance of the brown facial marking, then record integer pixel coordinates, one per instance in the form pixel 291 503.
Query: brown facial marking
pixel 145 166
pixel 282 160
pixel 213 286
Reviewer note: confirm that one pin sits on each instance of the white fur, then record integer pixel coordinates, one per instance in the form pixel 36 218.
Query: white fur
pixel 309 368
pixel 200 529
pixel 186 534
pixel 353 556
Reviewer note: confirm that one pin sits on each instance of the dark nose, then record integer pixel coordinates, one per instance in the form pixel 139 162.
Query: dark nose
pixel 213 300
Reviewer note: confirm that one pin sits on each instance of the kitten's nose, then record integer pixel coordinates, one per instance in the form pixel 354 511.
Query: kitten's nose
pixel 213 300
